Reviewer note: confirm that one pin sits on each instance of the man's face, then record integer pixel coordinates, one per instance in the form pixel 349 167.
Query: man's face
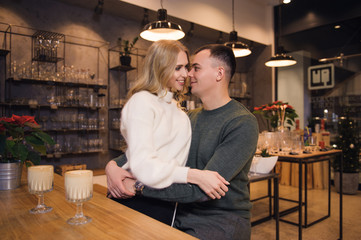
pixel 203 74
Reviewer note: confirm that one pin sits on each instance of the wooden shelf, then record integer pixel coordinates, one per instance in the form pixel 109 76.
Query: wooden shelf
pixel 122 68
pixel 56 83
pixel 9 104
pixel 48 59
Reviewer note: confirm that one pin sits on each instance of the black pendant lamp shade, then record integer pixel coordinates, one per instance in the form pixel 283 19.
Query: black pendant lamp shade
pixel 239 49
pixel 281 59
pixel 162 29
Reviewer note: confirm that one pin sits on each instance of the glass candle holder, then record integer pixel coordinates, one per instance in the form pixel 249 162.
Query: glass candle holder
pixel 40 181
pixel 79 189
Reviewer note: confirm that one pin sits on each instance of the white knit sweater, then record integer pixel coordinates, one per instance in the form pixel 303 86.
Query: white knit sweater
pixel 158 135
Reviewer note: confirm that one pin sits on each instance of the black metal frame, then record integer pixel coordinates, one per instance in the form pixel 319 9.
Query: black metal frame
pixel 304 160
pixel 28 32
pixel 275 215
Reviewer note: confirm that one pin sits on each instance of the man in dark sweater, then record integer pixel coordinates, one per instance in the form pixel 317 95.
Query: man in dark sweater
pixel 224 139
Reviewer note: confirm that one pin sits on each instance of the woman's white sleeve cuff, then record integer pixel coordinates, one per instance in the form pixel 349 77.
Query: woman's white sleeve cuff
pixel 181 174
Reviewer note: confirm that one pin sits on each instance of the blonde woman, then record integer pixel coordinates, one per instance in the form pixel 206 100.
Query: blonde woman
pixel 158 133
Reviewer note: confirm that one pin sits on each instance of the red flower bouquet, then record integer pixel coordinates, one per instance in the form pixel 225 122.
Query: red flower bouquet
pixel 21 139
pixel 277 113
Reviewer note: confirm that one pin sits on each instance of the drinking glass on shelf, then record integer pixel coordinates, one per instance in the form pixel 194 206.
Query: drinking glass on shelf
pixel 40 181
pixel 44 120
pixel 84 145
pixel 101 123
pixel 74 121
pixel 61 120
pixel 312 140
pixel 271 142
pixel 100 144
pixel 260 142
pixel 79 189
pixel 91 145
pixel 297 146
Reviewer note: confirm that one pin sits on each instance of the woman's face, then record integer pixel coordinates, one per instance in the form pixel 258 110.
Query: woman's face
pixel 179 77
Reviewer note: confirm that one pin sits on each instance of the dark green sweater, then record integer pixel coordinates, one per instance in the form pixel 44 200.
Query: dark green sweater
pixel 223 140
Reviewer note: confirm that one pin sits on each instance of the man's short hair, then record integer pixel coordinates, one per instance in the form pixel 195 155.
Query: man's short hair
pixel 221 53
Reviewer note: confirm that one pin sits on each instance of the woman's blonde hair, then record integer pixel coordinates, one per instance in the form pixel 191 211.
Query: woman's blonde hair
pixel 159 66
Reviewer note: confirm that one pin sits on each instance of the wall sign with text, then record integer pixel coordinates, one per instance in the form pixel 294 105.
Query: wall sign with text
pixel 321 76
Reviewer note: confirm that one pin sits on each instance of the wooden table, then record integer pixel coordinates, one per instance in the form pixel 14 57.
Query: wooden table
pixel 110 220
pixel 304 159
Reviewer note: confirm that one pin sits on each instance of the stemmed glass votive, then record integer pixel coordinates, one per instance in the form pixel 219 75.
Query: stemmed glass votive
pixel 40 181
pixel 79 189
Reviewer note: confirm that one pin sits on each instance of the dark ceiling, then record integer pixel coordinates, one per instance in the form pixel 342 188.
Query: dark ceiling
pixel 310 26
pixel 306 25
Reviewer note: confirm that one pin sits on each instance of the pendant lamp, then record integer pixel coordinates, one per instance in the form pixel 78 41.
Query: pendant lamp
pixel 162 29
pixel 280 59
pixel 239 49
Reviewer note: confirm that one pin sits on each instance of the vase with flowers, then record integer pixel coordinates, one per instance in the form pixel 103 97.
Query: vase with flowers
pixel 277 114
pixel 21 142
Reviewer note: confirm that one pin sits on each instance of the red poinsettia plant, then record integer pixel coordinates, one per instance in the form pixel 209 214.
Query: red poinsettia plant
pixel 21 139
pixel 277 113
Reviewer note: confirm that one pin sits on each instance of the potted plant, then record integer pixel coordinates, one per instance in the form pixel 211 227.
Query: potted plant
pixel 349 142
pixel 21 142
pixel 126 48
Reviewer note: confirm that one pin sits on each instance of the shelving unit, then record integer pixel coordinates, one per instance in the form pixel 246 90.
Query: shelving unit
pixel 67 108
pixel 118 87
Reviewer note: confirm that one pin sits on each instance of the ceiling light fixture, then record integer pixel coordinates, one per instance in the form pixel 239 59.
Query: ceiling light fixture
pixel 220 38
pixel 99 7
pixel 239 49
pixel 145 19
pixel 162 29
pixel 190 33
pixel 281 59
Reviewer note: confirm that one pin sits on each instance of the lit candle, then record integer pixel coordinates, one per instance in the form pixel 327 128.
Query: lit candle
pixel 79 185
pixel 40 178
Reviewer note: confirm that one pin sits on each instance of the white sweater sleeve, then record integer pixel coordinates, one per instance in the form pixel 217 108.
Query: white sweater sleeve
pixel 137 127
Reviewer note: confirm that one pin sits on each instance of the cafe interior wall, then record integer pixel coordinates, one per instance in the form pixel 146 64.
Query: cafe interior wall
pixel 314 30
pixel 104 30
pixel 292 88
pixel 253 18
pixel 310 27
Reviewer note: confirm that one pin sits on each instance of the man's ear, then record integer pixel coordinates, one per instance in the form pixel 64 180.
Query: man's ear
pixel 220 74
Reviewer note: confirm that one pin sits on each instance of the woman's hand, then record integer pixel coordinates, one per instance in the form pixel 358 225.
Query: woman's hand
pixel 213 184
pixel 115 177
pixel 129 184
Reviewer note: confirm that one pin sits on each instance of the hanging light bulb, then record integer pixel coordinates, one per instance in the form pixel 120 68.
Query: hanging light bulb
pixel 162 29
pixel 239 49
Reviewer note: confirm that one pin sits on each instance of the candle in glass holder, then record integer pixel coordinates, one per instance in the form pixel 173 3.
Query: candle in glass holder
pixel 40 178
pixel 79 185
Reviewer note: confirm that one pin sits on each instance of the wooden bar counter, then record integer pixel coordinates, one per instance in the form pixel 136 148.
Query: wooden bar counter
pixel 110 220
